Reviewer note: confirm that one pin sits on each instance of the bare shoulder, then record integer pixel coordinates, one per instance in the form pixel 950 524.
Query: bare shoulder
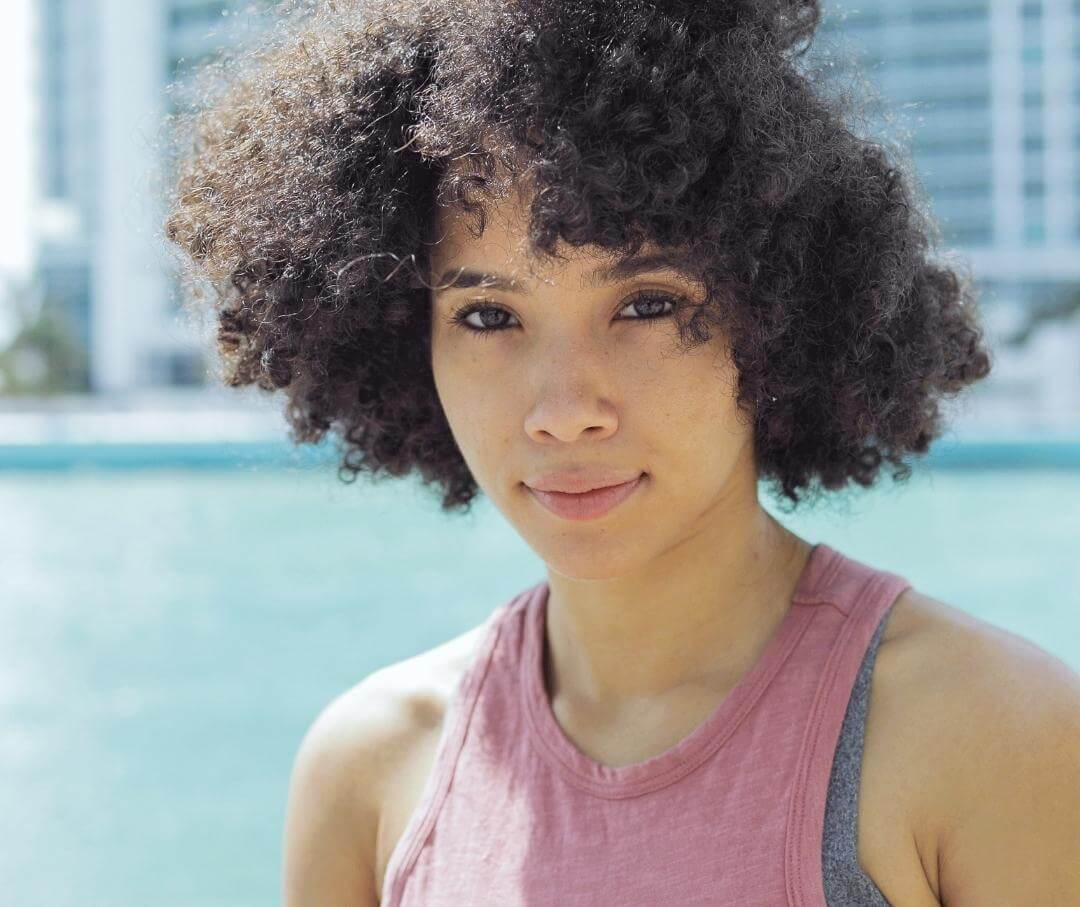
pixel 351 756
pixel 988 726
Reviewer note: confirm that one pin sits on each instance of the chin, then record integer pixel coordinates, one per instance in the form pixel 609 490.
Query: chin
pixel 577 549
pixel 571 555
pixel 585 574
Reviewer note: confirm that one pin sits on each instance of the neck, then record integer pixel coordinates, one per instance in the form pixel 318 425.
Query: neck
pixel 699 613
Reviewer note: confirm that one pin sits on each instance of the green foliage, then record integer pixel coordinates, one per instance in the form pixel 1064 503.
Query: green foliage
pixel 42 355
pixel 1055 307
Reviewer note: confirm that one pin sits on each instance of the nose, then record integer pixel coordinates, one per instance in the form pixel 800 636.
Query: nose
pixel 572 401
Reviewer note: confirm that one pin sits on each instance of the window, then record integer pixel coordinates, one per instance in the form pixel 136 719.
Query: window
pixel 964 13
pixel 195 13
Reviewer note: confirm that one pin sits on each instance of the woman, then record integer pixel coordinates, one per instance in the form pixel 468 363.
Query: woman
pixel 615 264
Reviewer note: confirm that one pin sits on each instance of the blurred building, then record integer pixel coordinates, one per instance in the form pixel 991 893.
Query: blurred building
pixel 102 67
pixel 986 94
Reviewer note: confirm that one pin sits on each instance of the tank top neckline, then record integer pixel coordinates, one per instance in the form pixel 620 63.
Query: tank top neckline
pixel 634 779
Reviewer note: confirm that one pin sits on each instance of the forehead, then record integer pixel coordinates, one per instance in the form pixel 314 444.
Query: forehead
pixel 501 254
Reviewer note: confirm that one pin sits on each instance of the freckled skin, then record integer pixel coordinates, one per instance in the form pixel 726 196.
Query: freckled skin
pixel 569 381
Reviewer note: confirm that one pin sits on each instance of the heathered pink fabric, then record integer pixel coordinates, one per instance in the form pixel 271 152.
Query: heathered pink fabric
pixel 514 814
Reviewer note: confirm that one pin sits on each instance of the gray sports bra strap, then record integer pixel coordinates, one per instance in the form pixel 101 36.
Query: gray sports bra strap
pixel 846 885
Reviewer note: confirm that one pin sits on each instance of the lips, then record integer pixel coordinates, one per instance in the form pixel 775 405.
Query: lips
pixel 574 480
pixel 587 505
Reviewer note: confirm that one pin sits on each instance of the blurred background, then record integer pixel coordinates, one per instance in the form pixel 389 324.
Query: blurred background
pixel 181 592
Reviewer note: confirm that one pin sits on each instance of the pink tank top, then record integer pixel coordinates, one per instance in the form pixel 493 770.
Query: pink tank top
pixel 514 814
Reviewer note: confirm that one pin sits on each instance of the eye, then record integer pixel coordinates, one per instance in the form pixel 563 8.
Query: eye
pixel 651 300
pixel 459 319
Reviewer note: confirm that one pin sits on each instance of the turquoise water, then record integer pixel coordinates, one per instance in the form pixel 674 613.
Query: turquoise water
pixel 168 636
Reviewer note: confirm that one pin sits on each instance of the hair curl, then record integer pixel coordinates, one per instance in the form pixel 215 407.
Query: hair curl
pixel 305 188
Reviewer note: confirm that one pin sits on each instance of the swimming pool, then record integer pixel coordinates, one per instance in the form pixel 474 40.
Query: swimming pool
pixel 168 635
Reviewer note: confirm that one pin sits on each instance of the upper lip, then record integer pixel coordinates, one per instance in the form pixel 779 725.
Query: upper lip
pixel 576 480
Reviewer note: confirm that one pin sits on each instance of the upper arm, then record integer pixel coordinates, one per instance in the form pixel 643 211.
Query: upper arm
pixel 332 814
pixel 1011 828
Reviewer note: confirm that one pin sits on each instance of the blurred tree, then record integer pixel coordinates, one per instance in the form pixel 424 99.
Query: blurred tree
pixel 1055 306
pixel 41 355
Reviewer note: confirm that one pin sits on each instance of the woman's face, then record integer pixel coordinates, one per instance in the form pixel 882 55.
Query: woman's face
pixel 574 373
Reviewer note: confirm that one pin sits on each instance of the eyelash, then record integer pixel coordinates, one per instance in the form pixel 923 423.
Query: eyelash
pixel 458 318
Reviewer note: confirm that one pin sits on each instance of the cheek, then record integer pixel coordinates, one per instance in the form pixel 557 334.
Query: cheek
pixel 693 391
pixel 454 375
pixel 476 409
pixel 693 414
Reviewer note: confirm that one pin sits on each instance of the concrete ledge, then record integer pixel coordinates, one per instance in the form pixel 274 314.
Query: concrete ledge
pixel 222 428
pixel 968 454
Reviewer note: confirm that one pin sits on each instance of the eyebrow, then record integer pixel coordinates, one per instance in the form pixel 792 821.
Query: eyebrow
pixel 603 275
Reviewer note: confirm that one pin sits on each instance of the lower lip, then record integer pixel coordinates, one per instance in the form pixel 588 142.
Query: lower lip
pixel 589 504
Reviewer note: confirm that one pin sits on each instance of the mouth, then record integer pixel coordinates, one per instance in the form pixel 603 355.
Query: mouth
pixel 587 505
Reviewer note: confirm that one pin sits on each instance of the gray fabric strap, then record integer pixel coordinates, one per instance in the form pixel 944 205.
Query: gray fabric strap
pixel 846 885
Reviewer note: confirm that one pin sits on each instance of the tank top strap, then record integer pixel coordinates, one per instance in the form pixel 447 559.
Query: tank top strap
pixel 460 706
pixel 862 595
pixel 846 883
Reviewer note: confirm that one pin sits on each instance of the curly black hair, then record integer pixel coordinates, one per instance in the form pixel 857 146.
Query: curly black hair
pixel 306 180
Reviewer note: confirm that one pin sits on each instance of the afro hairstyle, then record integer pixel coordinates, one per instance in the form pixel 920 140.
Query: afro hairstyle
pixel 306 176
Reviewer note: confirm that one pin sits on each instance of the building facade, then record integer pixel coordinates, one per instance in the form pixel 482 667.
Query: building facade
pixel 984 95
pixel 102 69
